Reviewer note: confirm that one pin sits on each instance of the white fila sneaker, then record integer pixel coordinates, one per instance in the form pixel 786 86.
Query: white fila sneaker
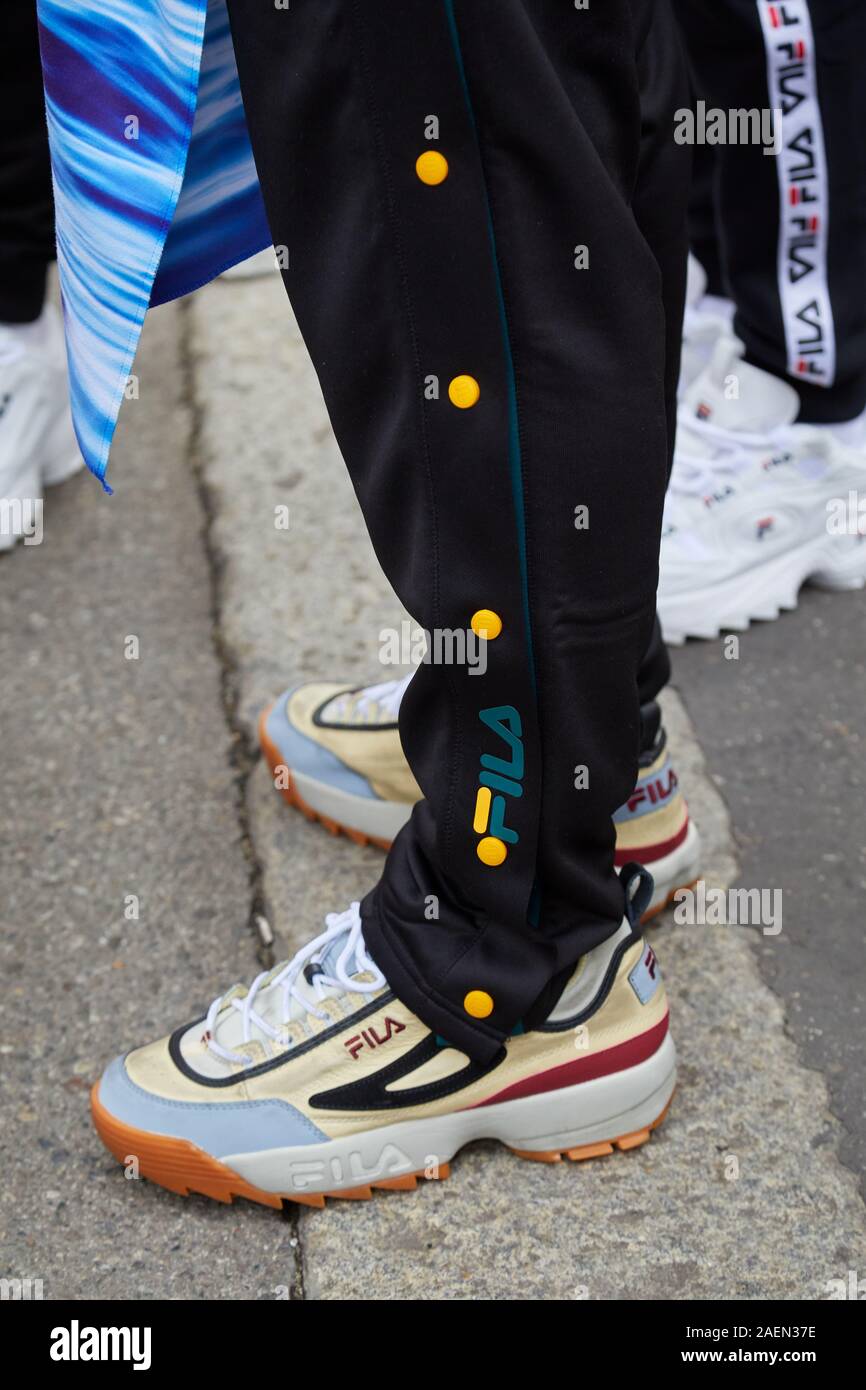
pixel 317 1082
pixel 753 506
pixel 707 318
pixel 335 754
pixel 37 442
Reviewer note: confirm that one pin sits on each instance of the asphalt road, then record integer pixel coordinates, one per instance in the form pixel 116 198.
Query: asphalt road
pixel 783 731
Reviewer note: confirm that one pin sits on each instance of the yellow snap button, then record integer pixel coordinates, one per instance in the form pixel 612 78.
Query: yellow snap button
pixel 431 167
pixel 464 392
pixel 478 1003
pixel 492 851
pixel 485 623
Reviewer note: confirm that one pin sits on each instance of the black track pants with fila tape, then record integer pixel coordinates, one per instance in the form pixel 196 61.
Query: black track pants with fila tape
pixel 784 234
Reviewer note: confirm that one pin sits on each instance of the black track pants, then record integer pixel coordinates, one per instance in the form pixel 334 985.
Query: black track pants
pixel 26 202
pixel 401 287
pixel 785 237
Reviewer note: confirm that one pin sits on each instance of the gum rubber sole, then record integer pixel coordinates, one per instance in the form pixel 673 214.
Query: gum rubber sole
pixel 358 837
pixel 183 1168
pixel 623 1142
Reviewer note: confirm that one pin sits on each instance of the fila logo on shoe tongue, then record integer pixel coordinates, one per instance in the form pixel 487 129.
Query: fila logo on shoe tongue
pixel 645 977
pixel 368 1037
pixel 764 525
pixel 704 411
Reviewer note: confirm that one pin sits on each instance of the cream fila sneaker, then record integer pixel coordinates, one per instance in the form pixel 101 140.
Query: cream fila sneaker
pixel 37 442
pixel 654 829
pixel 317 1082
pixel 757 504
pixel 335 754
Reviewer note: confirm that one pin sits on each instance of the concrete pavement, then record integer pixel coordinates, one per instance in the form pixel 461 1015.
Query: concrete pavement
pixel 141 777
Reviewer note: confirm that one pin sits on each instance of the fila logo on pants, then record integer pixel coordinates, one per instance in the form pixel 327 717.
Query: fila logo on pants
pixel 500 778
pixel 803 191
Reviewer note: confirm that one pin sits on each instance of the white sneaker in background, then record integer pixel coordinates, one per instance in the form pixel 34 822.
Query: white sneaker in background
pixel 754 501
pixel 708 317
pixel 37 442
pixel 851 433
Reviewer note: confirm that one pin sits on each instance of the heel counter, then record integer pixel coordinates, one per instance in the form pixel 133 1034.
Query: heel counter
pixel 655 819
pixel 643 975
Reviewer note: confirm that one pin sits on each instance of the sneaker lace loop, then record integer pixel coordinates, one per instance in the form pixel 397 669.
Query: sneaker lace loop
pixel 387 696
pixel 696 473
pixel 353 955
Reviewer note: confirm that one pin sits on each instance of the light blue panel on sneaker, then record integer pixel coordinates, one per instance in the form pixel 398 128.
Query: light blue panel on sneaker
pixel 302 754
pixel 645 977
pixel 218 1127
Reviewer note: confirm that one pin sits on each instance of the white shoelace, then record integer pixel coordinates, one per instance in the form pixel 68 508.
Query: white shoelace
pixel 386 696
pixel 338 924
pixel 695 474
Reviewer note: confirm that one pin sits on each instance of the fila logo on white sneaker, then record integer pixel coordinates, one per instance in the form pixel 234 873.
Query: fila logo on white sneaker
pixel 765 524
pixel 368 1037
pixel 776 461
pixel 711 498
pixel 645 977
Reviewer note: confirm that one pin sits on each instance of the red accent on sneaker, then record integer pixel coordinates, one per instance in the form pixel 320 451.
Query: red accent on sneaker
pixel 612 1059
pixel 647 853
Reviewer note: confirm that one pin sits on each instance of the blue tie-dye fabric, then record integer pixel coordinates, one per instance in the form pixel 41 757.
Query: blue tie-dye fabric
pixel 140 220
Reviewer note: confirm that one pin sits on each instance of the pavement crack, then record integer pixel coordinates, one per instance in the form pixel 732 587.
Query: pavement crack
pixel 243 753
